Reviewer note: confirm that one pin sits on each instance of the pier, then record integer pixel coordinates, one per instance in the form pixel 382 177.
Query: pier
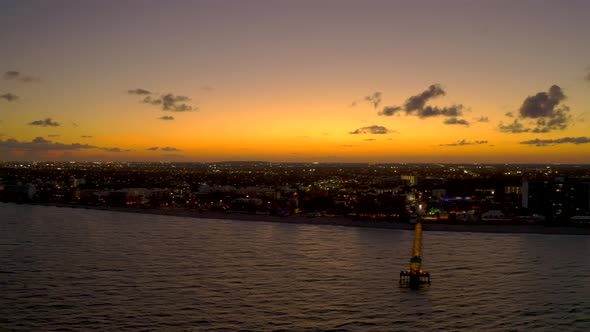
pixel 415 277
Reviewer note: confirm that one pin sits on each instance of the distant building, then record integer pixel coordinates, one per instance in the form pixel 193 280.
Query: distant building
pixel 557 200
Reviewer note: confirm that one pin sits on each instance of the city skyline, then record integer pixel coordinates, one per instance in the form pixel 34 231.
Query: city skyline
pixel 289 81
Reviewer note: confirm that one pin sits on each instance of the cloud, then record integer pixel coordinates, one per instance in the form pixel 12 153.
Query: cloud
pixel 369 139
pixel 44 123
pixel 509 114
pixel 114 150
pixel 54 135
pixel 170 102
pixel 86 136
pixel 430 111
pixel 563 140
pixel 11 75
pixel 464 142
pixel 139 91
pixel 16 75
pixel 374 99
pixel 483 119
pixel 389 110
pixel 166 149
pixel 169 149
pixel 166 117
pixel 42 144
pixel 375 130
pixel 40 140
pixel 417 106
pixel 417 102
pixel 455 121
pixel 544 112
pixel 346 146
pixel 514 127
pixel 9 97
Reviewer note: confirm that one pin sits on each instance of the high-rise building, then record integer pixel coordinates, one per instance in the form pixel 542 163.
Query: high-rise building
pixel 557 200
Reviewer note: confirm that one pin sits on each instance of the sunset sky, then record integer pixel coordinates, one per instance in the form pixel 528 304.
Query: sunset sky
pixel 327 81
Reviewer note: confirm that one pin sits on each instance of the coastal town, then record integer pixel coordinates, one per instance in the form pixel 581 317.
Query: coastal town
pixel 435 193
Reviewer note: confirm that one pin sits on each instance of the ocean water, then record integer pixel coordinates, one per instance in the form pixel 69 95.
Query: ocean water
pixel 64 269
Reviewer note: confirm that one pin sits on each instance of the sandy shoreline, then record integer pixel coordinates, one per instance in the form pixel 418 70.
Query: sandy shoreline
pixel 344 221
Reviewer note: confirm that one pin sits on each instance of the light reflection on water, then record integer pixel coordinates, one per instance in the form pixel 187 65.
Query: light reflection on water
pixel 78 270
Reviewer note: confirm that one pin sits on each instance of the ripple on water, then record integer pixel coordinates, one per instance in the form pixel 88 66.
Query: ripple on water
pixel 83 270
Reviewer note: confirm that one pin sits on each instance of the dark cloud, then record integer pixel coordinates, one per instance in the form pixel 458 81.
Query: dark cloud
pixel 542 104
pixel 389 110
pixel 545 110
pixel 483 119
pixel 509 114
pixel 374 99
pixel 417 106
pixel 153 148
pixel 464 142
pixel 139 91
pixel 166 117
pixel 11 75
pixel 455 121
pixel 40 140
pixel 375 130
pixel 86 136
pixel 417 102
pixel 9 97
pixel 430 111
pixel 41 144
pixel 563 140
pixel 170 102
pixel 514 127
pixel 44 123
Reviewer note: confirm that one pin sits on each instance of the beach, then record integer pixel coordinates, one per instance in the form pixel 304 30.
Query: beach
pixel 346 221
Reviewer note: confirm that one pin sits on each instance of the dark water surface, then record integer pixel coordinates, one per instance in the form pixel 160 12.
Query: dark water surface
pixel 65 269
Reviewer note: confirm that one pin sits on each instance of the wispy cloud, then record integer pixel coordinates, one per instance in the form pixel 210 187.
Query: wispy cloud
pixel 169 149
pixel 9 97
pixel 374 130
pixel 42 144
pixel 515 127
pixel 374 99
pixel 44 123
pixel 166 117
pixel 18 76
pixel 563 140
pixel 464 142
pixel 86 136
pixel 165 149
pixel 139 91
pixel 483 119
pixel 167 102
